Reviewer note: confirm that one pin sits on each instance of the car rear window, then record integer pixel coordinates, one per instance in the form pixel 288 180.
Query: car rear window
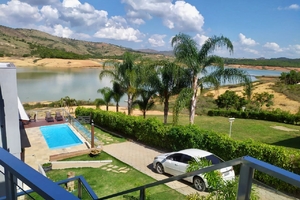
pixel 214 159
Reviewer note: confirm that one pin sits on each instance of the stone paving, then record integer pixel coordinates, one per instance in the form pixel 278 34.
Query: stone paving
pixel 39 152
pixel 141 157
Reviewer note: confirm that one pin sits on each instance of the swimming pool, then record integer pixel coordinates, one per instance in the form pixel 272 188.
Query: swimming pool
pixel 59 136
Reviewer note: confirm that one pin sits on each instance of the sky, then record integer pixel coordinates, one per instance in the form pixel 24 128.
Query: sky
pixel 257 28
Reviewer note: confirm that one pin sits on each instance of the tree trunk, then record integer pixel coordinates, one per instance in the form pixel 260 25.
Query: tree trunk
pixel 194 99
pixel 166 110
pixel 107 107
pixel 117 107
pixel 144 114
pixel 129 104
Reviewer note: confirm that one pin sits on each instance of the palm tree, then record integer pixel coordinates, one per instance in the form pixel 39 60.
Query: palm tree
pixel 67 102
pixel 125 74
pixel 118 92
pixel 172 78
pixel 107 96
pixel 146 102
pixel 197 61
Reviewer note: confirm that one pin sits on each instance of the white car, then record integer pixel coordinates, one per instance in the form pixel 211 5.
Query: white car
pixel 176 163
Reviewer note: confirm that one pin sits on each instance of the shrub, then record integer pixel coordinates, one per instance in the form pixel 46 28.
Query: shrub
pixel 275 116
pixel 156 134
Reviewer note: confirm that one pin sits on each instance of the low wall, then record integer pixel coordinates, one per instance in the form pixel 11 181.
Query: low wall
pixel 77 164
pixel 62 156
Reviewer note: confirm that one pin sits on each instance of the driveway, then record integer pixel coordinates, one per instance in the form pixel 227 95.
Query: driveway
pixel 140 157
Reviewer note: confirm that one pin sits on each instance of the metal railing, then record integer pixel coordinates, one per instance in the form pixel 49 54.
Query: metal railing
pixel 248 165
pixel 15 169
pixel 82 130
pixel 82 187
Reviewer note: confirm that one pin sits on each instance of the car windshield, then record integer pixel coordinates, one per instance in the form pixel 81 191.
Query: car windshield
pixel 214 159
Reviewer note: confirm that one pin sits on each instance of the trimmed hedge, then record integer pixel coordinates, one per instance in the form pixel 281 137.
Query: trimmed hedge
pixel 153 132
pixel 275 116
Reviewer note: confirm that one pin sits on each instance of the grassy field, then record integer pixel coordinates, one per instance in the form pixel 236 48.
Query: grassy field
pixel 105 182
pixel 246 129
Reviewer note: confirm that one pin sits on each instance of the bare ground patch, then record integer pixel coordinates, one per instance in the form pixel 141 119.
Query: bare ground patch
pixel 282 128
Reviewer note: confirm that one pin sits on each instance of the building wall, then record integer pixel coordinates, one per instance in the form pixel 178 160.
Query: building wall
pixel 8 84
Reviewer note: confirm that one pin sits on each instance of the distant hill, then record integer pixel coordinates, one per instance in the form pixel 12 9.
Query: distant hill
pixel 33 43
pixel 23 42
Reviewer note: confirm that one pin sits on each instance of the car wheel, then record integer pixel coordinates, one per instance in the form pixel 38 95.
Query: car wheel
pixel 159 168
pixel 199 184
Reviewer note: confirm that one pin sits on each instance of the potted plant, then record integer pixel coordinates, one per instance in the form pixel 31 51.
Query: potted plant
pixel 47 166
pixel 95 152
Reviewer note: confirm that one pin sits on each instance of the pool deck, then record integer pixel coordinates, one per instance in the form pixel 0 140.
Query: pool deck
pixel 38 151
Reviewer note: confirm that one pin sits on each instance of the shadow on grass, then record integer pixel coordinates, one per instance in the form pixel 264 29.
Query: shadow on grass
pixel 290 143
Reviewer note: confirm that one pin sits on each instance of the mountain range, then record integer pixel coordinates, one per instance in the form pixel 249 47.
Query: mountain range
pixel 20 42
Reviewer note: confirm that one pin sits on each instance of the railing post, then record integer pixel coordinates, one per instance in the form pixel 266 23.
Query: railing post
pixel 79 189
pixel 10 184
pixel 142 194
pixel 245 182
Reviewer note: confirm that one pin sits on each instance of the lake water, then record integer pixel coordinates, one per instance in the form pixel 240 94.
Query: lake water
pixel 51 84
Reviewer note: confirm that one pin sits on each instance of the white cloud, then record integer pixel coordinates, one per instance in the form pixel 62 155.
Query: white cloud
pixel 294 49
pixel 61 31
pixel 137 21
pixel 41 2
pixel 273 47
pixel 246 41
pixel 291 7
pixel 16 12
pixel 253 51
pixel 119 33
pixel 71 3
pixel 157 40
pixel 49 13
pixel 82 15
pixel 180 16
pixel 200 39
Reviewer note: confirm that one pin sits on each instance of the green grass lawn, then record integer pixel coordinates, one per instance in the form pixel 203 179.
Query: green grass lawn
pixel 105 182
pixel 104 137
pixel 247 129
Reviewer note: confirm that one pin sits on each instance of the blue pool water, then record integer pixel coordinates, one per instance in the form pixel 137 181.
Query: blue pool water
pixel 59 136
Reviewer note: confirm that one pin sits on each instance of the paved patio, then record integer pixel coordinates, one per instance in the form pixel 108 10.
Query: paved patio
pixel 38 151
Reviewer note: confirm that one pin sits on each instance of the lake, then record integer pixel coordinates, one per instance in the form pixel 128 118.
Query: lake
pixel 37 84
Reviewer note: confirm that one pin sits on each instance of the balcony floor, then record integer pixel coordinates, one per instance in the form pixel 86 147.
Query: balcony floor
pixel 42 122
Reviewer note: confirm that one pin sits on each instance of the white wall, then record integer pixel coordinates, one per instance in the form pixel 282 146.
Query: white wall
pixel 8 84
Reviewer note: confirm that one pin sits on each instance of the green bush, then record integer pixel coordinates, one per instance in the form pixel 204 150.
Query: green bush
pixel 275 116
pixel 154 133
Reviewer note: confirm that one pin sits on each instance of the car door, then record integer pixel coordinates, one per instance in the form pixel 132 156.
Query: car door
pixel 171 163
pixel 182 165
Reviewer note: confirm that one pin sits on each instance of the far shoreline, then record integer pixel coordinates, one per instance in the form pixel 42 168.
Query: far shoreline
pixel 97 63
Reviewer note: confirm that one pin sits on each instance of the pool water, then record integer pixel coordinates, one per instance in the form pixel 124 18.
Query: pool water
pixel 59 136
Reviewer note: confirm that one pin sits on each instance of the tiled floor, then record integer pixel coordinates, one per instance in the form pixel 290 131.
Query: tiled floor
pixel 39 152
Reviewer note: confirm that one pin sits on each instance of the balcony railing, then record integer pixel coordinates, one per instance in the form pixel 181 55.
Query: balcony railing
pixel 248 165
pixel 15 169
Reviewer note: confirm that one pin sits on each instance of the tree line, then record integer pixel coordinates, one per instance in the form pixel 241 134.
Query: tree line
pixel 143 79
pixel 276 62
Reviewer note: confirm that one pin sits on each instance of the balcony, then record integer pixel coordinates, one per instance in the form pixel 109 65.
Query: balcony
pixel 16 172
